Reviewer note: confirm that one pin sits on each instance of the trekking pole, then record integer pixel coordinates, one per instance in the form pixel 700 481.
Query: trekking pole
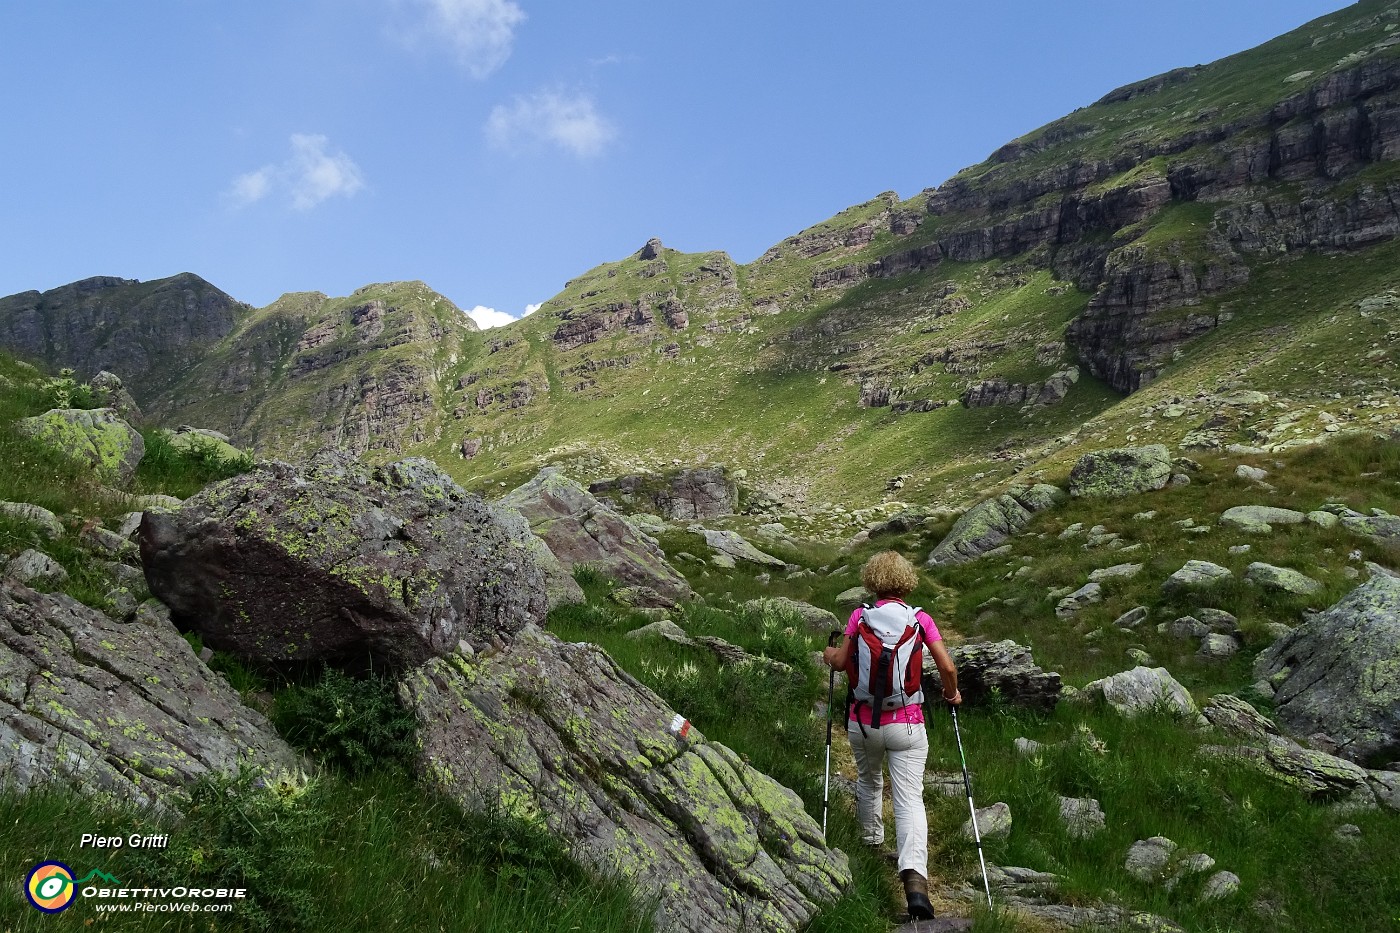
pixel 830 693
pixel 967 783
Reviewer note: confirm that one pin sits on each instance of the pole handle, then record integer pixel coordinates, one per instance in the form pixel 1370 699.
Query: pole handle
pixel 833 638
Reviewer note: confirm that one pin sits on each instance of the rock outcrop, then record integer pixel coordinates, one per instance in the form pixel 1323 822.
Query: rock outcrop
pixel 1126 471
pixel 1004 668
pixel 559 735
pixel 1339 674
pixel 681 496
pixel 121 710
pixel 990 523
pixel 341 562
pixel 1142 690
pixel 579 529
pixel 95 437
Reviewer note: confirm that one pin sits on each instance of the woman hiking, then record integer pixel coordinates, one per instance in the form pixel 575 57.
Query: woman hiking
pixel 882 655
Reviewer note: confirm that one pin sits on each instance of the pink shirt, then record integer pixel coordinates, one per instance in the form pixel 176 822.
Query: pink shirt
pixel 913 713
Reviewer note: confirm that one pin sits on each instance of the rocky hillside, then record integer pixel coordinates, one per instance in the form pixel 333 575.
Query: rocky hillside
pixel 1170 237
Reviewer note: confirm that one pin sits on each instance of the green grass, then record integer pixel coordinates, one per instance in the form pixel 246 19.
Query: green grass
pixel 374 853
pixel 1152 781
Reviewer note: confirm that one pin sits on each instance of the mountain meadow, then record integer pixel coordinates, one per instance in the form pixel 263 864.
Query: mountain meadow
pixel 389 622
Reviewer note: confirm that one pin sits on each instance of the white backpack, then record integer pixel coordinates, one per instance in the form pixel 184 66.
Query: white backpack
pixel 886 668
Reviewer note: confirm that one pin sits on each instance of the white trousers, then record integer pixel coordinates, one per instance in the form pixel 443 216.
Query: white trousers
pixel 906 747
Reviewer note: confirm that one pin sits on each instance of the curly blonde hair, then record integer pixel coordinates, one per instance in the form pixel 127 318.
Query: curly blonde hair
pixel 888 574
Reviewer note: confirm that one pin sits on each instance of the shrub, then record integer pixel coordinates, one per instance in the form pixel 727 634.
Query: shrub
pixel 354 725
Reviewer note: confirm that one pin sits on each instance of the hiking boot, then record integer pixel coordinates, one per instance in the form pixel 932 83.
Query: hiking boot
pixel 916 894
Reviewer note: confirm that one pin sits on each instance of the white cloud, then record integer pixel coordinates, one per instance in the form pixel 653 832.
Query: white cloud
pixel 486 318
pixel 481 32
pixel 567 120
pixel 251 187
pixel 316 174
pixel 310 175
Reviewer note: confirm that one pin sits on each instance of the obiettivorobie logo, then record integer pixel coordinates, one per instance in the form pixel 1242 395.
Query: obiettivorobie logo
pixel 51 887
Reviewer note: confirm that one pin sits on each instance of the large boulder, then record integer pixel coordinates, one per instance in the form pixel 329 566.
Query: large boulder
pixel 1004 668
pixel 96 437
pixel 559 735
pixel 109 392
pixel 1260 518
pixel 1341 677
pixel 1142 690
pixel 123 710
pixel 734 545
pixel 579 529
pixel 1281 579
pixel 989 524
pixel 683 495
pixel 342 563
pixel 1123 471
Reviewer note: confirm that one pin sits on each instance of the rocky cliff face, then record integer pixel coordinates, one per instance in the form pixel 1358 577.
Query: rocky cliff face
pixel 366 372
pixel 147 332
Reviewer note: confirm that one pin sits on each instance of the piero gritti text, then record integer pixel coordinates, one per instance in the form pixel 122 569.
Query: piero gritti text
pixel 134 841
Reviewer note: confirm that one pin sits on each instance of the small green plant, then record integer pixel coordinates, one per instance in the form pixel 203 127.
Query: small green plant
pixel 255 831
pixel 66 392
pixel 347 723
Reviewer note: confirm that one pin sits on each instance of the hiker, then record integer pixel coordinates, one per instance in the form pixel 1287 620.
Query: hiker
pixel 898 732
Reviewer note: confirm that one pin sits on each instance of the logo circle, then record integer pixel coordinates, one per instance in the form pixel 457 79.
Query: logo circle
pixel 50 887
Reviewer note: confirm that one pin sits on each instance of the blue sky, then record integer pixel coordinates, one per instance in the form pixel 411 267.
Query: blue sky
pixel 497 148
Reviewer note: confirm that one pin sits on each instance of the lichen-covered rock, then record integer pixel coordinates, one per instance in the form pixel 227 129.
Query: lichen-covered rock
pixel 1281 579
pixel 1005 667
pixel 816 618
pixel 1196 574
pixel 31 566
pixel 124 710
pixel 95 437
pixel 1343 677
pixel 109 392
pixel 641 597
pixel 1143 689
pixel 733 545
pixel 1384 528
pixel 1124 471
pixel 559 735
pixel 339 562
pixel 1083 816
pixel 1086 595
pixel 993 822
pixel 990 523
pixel 1236 717
pixel 1258 519
pixel 1315 772
pixel 1148 858
pixel 1217 647
pixel 45 521
pixel 578 529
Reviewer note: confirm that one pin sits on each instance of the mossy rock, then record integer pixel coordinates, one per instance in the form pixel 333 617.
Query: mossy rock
pixel 96 437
